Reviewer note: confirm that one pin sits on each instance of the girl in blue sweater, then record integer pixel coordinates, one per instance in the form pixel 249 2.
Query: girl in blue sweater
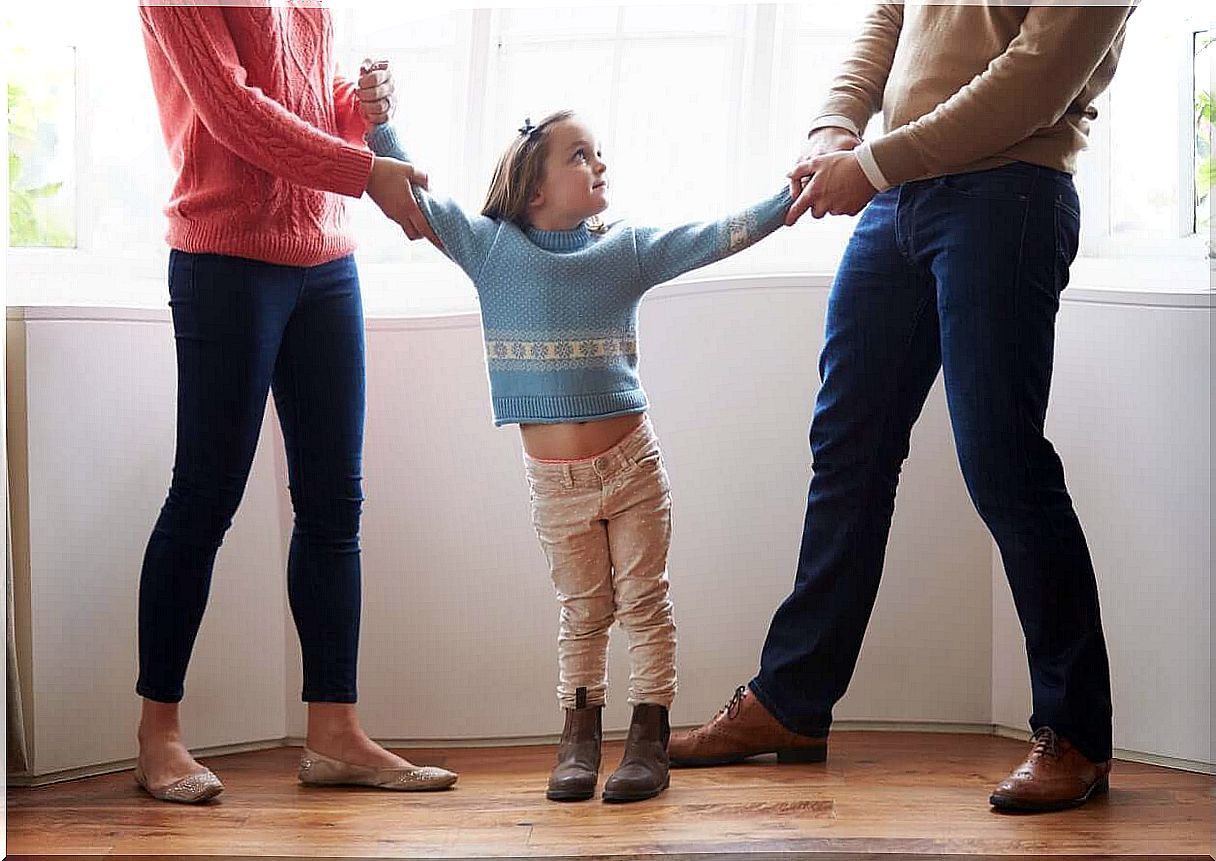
pixel 559 295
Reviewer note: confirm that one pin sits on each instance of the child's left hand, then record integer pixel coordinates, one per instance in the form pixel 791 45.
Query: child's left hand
pixel 375 92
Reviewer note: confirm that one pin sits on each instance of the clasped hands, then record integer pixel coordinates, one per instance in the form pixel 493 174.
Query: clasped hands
pixel 828 179
pixel 391 182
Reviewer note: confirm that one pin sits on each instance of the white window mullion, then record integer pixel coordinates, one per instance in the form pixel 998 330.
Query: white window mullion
pixel 614 103
pixel 482 56
pixel 1185 116
pixel 86 232
pixel 1093 184
pixel 753 96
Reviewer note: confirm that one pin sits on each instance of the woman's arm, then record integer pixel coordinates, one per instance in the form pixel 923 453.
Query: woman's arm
pixel 200 52
pixel 663 254
pixel 351 124
pixel 467 240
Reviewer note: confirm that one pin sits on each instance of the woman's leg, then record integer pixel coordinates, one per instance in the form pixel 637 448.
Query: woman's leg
pixel 228 317
pixel 319 394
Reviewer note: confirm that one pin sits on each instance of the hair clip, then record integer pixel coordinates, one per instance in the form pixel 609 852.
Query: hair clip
pixel 527 129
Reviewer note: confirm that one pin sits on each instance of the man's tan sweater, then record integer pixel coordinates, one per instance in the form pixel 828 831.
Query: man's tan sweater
pixel 969 87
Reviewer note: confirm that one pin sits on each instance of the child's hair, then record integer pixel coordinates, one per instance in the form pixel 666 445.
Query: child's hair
pixel 520 171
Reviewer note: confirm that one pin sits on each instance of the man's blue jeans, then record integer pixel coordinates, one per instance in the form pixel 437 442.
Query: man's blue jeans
pixel 243 328
pixel 961 273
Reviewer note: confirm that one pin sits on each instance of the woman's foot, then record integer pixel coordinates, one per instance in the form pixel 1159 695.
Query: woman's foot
pixel 334 731
pixel 164 766
pixel 164 761
pixel 316 769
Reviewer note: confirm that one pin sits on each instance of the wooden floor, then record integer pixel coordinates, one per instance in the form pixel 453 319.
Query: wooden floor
pixel 916 793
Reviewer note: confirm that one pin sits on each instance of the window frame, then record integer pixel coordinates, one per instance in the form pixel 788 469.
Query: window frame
pixel 762 63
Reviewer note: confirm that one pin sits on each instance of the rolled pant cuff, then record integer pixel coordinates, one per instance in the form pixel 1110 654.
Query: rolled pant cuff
pixel 592 702
pixel 664 701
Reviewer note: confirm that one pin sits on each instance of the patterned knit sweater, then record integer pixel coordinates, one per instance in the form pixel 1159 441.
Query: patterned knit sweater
pixel 262 133
pixel 559 308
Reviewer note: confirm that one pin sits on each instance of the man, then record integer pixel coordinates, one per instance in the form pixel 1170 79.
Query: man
pixel 957 264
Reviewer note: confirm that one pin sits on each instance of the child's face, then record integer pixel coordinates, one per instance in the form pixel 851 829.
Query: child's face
pixel 575 184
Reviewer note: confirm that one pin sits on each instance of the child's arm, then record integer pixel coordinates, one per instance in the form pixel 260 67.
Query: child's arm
pixel 466 240
pixel 665 253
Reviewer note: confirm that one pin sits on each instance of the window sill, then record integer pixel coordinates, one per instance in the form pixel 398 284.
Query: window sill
pixel 440 305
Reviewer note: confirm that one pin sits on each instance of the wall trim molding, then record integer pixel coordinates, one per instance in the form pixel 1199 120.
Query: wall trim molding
pixel 34 780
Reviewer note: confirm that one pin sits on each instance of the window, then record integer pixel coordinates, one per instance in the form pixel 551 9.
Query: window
pixel 41 137
pixel 99 140
pixel 700 108
pixel 1204 171
pixel 1138 177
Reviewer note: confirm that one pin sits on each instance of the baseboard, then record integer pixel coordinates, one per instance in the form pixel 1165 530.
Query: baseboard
pixel 1174 762
pixel 612 735
pixel 128 764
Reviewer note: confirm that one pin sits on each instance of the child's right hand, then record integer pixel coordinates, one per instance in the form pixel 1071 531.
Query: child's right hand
pixel 391 187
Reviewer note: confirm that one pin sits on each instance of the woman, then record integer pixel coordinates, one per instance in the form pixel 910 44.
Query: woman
pixel 265 140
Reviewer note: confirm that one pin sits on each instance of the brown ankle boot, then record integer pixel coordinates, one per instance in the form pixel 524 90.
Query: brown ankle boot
pixel 643 772
pixel 578 756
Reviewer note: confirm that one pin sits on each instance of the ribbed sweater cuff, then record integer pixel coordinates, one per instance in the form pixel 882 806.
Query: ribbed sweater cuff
pixel 838 121
pixel 352 169
pixel 865 158
pixel 896 158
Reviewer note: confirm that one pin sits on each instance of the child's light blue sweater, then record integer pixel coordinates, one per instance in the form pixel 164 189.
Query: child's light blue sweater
pixel 559 308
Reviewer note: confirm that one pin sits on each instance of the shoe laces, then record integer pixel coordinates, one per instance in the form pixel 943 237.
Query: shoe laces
pixel 731 709
pixel 1046 742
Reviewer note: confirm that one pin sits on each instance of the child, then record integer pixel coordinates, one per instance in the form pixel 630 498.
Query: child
pixel 559 294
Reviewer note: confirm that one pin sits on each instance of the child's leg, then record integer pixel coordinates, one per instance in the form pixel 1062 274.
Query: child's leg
pixel 567 515
pixel 639 535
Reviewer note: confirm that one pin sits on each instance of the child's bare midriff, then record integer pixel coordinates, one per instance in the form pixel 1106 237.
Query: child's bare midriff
pixel 576 440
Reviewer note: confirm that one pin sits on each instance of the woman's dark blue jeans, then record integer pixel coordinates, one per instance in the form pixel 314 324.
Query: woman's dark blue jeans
pixel 243 328
pixel 960 273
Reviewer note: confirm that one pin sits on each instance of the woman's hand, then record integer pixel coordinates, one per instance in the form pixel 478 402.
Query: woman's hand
pixel 391 187
pixel 375 92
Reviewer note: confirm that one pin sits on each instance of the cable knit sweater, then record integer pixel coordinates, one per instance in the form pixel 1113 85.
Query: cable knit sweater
pixel 263 134
pixel 559 308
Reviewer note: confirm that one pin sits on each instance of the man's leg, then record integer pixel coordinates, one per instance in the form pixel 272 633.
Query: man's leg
pixel 1000 251
pixel 879 360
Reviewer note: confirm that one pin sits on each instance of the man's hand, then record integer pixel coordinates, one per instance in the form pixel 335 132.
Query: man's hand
pixel 838 185
pixel 376 102
pixel 391 187
pixel 821 141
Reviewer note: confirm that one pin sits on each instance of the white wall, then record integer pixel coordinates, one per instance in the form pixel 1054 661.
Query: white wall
pixel 1131 418
pixel 460 622
pixel 100 449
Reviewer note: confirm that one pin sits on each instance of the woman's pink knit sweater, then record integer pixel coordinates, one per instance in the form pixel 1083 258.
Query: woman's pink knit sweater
pixel 263 134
